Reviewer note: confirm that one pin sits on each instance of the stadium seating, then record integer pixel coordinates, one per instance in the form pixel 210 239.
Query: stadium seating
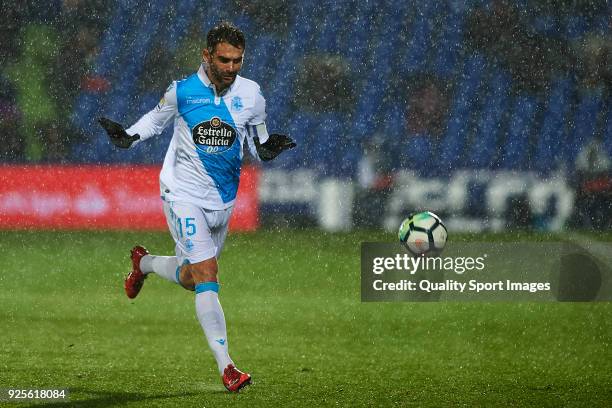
pixel 449 43
pixel 356 42
pixel 329 31
pixel 575 27
pixel 414 56
pixel 607 137
pixel 487 125
pixel 453 143
pixel 584 124
pixel 516 146
pixel 181 24
pixel 416 153
pixel 548 148
pixel 483 149
pixel 88 103
pixel 133 58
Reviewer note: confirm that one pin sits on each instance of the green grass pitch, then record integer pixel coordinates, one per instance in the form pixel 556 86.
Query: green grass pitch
pixel 295 321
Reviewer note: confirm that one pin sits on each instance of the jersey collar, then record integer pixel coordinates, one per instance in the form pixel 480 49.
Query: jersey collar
pixel 206 81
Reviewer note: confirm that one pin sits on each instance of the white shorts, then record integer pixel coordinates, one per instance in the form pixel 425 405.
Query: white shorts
pixel 199 234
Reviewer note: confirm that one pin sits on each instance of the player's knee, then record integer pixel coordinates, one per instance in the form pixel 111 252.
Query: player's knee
pixel 186 280
pixel 205 271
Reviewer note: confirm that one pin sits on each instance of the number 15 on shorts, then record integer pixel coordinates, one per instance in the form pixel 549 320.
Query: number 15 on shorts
pixel 185 226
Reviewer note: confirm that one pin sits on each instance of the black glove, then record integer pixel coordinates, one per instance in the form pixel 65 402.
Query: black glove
pixel 274 146
pixel 117 133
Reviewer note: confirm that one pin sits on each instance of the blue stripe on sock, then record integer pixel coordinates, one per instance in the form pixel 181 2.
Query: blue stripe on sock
pixel 204 286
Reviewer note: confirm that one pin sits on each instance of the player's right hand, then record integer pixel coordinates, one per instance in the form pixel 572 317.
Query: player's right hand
pixel 117 134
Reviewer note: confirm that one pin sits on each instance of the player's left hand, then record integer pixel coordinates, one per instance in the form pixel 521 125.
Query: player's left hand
pixel 275 145
pixel 117 134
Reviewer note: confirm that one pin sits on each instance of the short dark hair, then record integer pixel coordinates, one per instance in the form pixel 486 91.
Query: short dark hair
pixel 224 32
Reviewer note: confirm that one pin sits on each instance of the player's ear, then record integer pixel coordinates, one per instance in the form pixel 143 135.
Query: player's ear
pixel 206 56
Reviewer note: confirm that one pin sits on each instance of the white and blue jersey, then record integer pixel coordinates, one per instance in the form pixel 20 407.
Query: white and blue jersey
pixel 202 164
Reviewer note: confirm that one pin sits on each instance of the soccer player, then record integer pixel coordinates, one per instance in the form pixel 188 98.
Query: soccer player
pixel 215 112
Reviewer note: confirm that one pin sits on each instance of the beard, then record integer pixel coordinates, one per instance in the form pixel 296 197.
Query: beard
pixel 219 76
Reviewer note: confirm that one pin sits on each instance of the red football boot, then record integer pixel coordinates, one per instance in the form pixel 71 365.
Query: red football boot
pixel 135 279
pixel 234 379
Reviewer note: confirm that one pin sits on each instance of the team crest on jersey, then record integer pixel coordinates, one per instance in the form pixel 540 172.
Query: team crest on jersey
pixel 237 103
pixel 189 245
pixel 213 136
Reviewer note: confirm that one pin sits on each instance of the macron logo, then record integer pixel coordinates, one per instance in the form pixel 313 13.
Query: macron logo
pixel 197 101
pixel 220 341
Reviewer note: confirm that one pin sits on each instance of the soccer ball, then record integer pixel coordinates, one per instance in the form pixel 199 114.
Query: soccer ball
pixel 423 233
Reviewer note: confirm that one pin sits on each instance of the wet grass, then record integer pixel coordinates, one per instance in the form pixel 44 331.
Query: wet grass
pixel 295 322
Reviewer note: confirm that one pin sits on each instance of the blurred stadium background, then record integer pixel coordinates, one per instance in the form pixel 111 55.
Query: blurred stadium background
pixel 495 115
pixel 490 113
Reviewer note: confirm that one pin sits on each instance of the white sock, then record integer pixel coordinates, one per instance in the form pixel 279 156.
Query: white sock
pixel 164 266
pixel 211 317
